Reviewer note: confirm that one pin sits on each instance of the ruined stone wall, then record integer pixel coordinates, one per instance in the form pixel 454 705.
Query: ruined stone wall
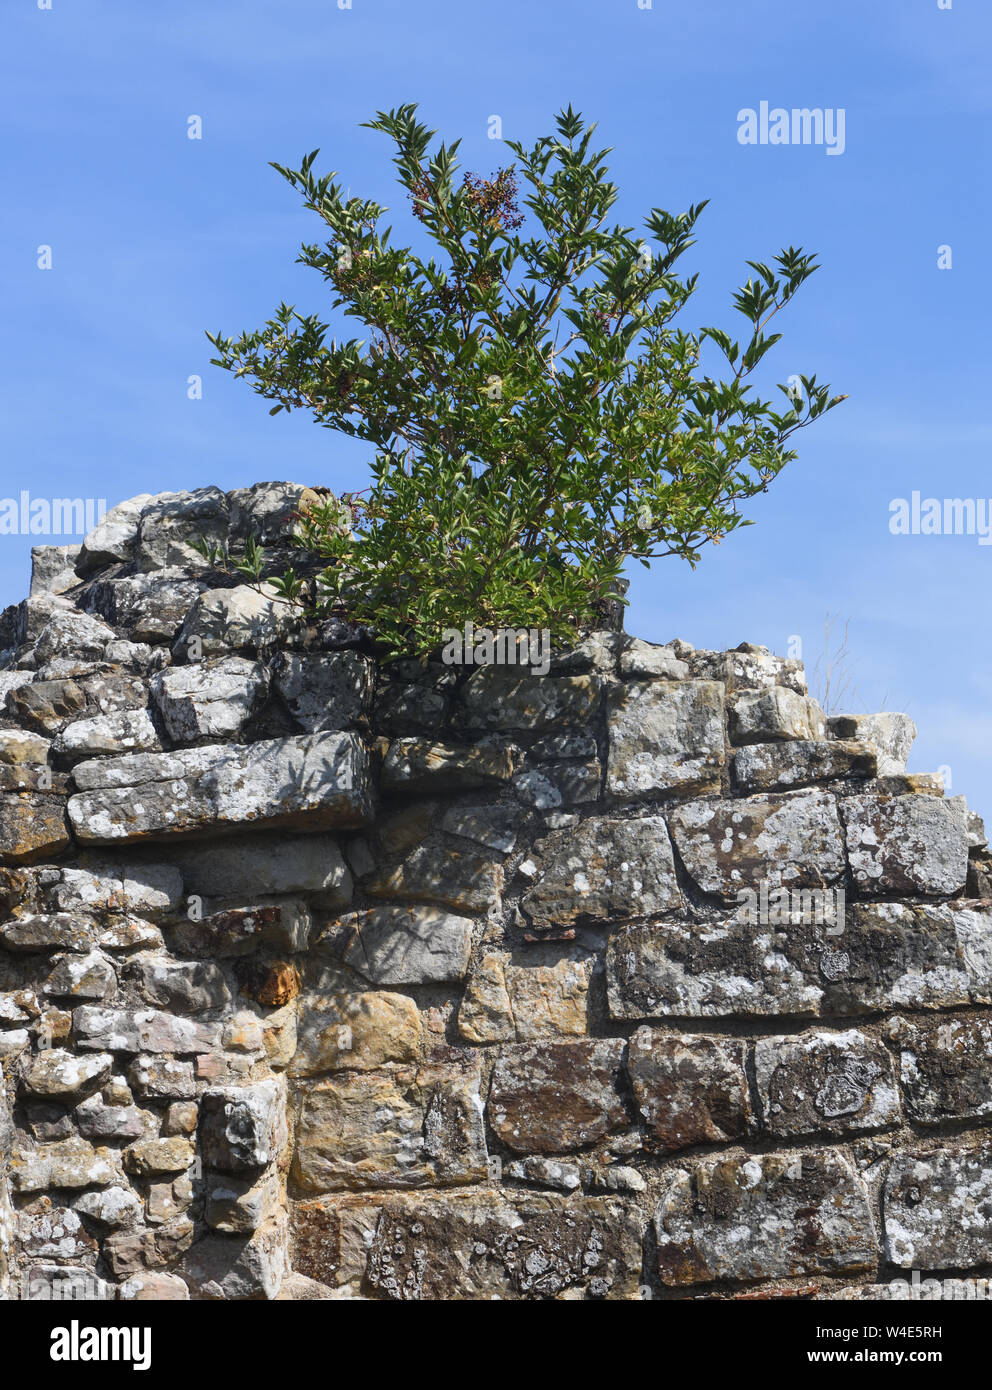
pixel 326 979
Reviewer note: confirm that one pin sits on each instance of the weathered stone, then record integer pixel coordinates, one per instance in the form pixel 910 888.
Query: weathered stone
pixel 142 1030
pixel 129 1253
pixel 209 700
pixel 76 931
pixel 406 1127
pixel 417 765
pixel 238 1267
pixel 407 945
pixel 240 1205
pixel 706 970
pixel 665 736
pixel 269 512
pixel 521 1003
pixel 126 731
pixel 689 1088
pixel 493 826
pixel 71 633
pixel 460 879
pixel 82 977
pixel 18 746
pixel 792 840
pixel 497 697
pixel 172 521
pixel 355 1032
pixel 946 1068
pixel 837 1083
pixel 224 621
pixel 318 779
pixel 32 827
pixel 53 568
pixel 41 1283
pixel 904 844
pixel 490 1246
pixel 747 667
pixel 57 1234
pixel 400 708
pixel 774 1216
pixel 97 1120
pixel 148 889
pixel 608 867
pixel 891 735
pixel 59 1075
pixel 155 1287
pixel 113 538
pixel 188 986
pixel 324 691
pixel 181 1118
pixel 71 1163
pixel 148 607
pixel 888 955
pixel 783 766
pixel 162 1078
pixel 116 1208
pixel 938 1208
pixel 151 1156
pixel 560 784
pixel 284 924
pixel 778 713
pixel 559 1096
pixel 649 659
pixel 258 865
pixel 46 706
pixel 242 1128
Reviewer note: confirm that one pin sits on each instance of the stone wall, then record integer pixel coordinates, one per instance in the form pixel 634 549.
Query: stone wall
pixel 326 979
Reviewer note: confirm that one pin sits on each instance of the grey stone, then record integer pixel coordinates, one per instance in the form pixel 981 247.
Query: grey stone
pixel 608 867
pixel 689 1088
pixel 891 735
pixel 556 1097
pixel 209 700
pixel 946 1068
pixel 772 1216
pixel 639 658
pixel 938 1208
pixel 392 945
pixel 837 1083
pixel 905 844
pixel 317 779
pixel 324 691
pixel 665 736
pixel 90 977
pixel 149 608
pixel 497 697
pixel 125 731
pixel 187 986
pixel 224 621
pixel 769 715
pixel 172 521
pixel 141 1030
pixel 417 765
pixel 53 568
pixel 783 766
pixel 791 840
pixel 256 865
pixel 242 1128
pixel 458 878
pixel 494 826
pixel 59 1075
pixel 70 1163
pixel 149 889
pixel 112 539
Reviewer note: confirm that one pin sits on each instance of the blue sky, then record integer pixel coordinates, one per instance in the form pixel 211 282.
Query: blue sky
pixel 156 237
